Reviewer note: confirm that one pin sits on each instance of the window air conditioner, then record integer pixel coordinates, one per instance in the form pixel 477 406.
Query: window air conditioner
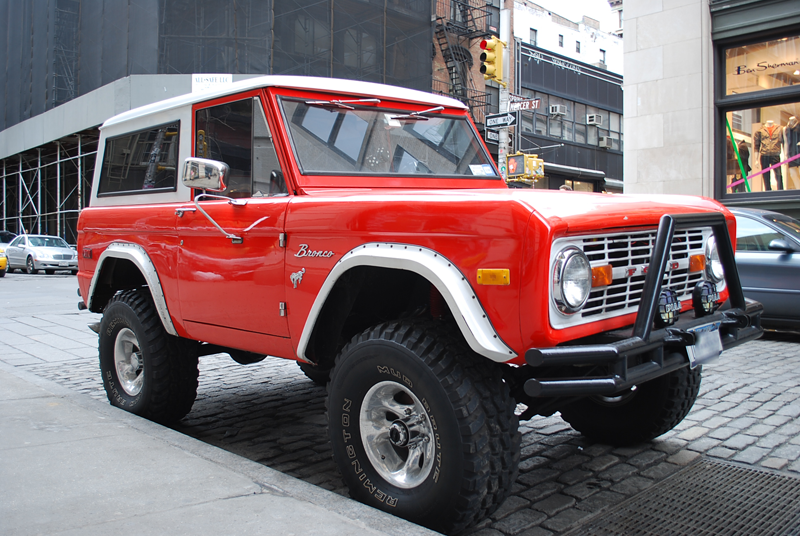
pixel 594 119
pixel 558 109
pixel 604 142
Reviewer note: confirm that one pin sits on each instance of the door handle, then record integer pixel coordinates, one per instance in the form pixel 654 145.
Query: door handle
pixel 180 211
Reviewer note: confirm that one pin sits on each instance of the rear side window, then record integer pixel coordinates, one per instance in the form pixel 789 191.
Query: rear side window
pixel 145 161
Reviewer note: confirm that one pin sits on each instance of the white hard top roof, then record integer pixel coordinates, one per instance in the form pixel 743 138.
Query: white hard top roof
pixel 328 85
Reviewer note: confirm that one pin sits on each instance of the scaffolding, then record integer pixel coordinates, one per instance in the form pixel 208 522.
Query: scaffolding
pixel 45 189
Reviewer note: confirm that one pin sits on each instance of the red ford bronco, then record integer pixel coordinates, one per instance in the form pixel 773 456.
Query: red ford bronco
pixel 364 231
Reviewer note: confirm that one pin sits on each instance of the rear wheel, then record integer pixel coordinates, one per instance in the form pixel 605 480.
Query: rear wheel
pixel 411 431
pixel 639 414
pixel 145 370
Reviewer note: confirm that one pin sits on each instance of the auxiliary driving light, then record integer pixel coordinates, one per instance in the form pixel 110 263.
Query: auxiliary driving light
pixel 668 307
pixel 704 298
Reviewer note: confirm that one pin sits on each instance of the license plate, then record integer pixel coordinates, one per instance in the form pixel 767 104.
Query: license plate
pixel 63 264
pixel 708 345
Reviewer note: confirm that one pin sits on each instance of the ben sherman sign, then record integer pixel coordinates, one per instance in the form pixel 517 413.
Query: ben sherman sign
pixel 766 66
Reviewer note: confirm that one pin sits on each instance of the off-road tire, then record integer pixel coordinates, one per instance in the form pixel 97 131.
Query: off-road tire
pixel 167 374
pixel 473 429
pixel 317 374
pixel 652 409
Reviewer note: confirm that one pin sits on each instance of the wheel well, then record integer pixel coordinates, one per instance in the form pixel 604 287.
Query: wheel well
pixel 115 275
pixel 368 295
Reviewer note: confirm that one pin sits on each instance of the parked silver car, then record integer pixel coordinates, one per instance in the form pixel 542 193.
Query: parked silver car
pixel 768 259
pixel 41 252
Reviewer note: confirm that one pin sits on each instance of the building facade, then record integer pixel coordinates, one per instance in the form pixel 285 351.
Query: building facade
pixel 712 100
pixel 574 72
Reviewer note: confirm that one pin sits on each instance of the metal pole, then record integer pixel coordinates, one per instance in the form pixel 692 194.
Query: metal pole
pixel 502 142
pixel 5 199
pixel 39 191
pixel 58 188
pixel 19 188
pixel 80 176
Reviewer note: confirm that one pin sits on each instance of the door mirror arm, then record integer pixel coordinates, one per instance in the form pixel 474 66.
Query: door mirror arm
pixel 235 202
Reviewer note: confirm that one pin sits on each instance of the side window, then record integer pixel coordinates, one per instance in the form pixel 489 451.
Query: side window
pixel 753 236
pixel 237 133
pixel 141 162
pixel 17 242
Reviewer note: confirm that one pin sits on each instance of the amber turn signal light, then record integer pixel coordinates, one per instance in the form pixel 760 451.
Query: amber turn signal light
pixel 697 263
pixel 493 277
pixel 602 276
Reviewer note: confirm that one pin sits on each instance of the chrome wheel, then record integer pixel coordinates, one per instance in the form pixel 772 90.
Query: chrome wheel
pixel 29 266
pixel 397 434
pixel 128 362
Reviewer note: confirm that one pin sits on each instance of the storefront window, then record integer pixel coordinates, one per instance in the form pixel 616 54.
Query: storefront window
pixel 761 66
pixel 758 129
pixel 763 149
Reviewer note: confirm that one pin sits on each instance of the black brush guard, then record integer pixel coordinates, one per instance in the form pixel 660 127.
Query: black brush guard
pixel 660 351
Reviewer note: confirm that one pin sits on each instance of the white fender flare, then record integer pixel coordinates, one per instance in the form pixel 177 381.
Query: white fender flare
pixel 442 273
pixel 138 256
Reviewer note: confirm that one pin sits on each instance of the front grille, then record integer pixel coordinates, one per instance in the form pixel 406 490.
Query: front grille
pixel 62 257
pixel 630 251
pixel 629 255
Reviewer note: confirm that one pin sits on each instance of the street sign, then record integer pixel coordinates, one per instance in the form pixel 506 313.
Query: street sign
pixel 492 136
pixel 522 105
pixel 500 120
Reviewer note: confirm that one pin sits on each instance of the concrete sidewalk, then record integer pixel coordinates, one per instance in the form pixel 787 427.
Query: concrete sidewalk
pixel 73 465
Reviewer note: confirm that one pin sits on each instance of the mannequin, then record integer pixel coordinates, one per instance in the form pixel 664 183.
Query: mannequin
pixel 767 143
pixel 792 148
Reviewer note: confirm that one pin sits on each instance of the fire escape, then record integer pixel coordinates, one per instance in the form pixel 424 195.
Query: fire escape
pixel 458 24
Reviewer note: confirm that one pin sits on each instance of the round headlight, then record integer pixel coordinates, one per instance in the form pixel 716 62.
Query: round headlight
pixel 572 280
pixel 713 264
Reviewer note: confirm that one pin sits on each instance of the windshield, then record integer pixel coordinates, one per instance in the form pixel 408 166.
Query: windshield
pixel 359 139
pixel 47 242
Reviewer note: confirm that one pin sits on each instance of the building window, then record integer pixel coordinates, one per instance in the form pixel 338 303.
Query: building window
pixel 602 55
pixel 759 128
pixel 578 47
pixel 533 37
pixel 561 41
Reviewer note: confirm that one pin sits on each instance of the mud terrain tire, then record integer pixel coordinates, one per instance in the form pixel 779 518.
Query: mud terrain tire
pixel 421 427
pixel 639 415
pixel 145 371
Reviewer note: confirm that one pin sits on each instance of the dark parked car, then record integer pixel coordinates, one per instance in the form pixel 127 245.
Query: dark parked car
pixel 768 259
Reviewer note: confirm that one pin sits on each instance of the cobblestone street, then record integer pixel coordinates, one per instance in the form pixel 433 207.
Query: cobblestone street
pixel 748 412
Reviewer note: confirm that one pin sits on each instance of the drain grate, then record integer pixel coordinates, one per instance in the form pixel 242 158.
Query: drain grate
pixel 706 498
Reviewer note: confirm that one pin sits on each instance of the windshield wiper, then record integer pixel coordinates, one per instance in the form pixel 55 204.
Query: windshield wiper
pixel 416 116
pixel 339 104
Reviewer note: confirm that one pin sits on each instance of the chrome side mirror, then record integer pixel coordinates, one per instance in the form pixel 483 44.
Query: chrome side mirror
pixel 779 244
pixel 205 174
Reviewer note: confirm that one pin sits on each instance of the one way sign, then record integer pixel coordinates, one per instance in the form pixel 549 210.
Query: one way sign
pixel 500 120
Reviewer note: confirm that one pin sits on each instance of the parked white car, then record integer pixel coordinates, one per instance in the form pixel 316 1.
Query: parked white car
pixel 41 252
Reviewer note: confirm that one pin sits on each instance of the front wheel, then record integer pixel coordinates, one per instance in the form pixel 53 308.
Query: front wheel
pixel 30 267
pixel 410 431
pixel 640 414
pixel 145 370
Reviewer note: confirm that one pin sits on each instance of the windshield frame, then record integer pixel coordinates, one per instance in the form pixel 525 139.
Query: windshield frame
pixel 387 179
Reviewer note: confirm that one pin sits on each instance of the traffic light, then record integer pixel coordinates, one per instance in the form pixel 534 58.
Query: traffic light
pixel 492 59
pixel 524 168
pixel 515 165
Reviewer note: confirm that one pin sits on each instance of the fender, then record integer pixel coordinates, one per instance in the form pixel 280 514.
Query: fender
pixel 443 274
pixel 139 257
